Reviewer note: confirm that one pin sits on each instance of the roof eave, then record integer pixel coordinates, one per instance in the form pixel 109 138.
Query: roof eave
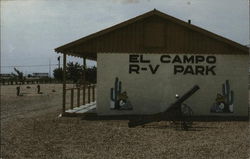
pixel 90 56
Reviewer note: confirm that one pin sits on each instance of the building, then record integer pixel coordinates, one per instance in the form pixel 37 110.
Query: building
pixel 40 75
pixel 6 76
pixel 145 61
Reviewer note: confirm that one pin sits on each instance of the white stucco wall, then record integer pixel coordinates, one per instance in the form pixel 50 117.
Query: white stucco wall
pixel 151 93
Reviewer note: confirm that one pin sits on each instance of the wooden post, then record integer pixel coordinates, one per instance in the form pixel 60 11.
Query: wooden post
pixel 93 93
pixel 18 91
pixel 38 89
pixel 78 97
pixel 84 70
pixel 64 83
pixel 72 99
pixel 83 95
pixel 88 93
pixel 84 80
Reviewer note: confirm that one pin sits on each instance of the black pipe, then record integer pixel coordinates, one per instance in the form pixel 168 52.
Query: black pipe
pixel 159 116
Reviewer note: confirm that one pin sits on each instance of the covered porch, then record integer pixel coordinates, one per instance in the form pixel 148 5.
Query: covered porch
pixel 77 99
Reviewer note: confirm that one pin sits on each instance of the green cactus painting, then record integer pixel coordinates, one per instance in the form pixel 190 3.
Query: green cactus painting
pixel 119 99
pixel 224 102
pixel 115 91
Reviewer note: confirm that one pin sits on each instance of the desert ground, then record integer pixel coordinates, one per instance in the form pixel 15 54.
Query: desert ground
pixel 32 128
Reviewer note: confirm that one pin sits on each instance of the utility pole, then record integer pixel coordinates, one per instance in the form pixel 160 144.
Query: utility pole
pixel 49 68
pixel 58 61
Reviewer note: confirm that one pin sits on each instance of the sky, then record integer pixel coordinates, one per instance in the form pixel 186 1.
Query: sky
pixel 32 29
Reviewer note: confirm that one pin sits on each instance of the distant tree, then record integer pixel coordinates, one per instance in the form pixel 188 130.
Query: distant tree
pixel 58 74
pixel 74 71
pixel 91 74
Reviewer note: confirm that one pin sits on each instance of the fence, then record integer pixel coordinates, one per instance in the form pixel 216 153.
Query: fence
pixel 37 81
pixel 80 95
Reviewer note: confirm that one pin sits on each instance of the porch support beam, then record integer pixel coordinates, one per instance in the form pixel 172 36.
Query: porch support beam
pixel 84 70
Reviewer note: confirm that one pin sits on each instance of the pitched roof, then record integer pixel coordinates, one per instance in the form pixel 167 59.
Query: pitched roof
pixel 68 48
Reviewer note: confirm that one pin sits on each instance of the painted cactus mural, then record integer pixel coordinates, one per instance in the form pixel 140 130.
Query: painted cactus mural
pixel 114 92
pixel 224 102
pixel 119 99
pixel 229 95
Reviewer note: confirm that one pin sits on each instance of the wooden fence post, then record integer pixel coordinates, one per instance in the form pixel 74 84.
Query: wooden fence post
pixel 78 97
pixel 93 93
pixel 88 93
pixel 72 98
pixel 83 95
pixel 18 91
pixel 38 89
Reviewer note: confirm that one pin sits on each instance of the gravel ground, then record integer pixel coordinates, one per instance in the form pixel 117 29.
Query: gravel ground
pixel 31 128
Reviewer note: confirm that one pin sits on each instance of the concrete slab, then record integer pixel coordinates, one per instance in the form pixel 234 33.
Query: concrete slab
pixel 90 107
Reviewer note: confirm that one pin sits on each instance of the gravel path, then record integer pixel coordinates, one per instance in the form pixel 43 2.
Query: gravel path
pixel 31 128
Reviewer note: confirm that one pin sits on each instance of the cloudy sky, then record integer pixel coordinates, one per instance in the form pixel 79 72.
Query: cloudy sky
pixel 31 29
